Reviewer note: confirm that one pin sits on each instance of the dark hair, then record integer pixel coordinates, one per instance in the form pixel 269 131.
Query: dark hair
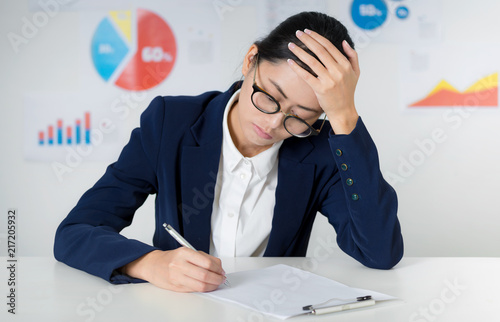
pixel 274 47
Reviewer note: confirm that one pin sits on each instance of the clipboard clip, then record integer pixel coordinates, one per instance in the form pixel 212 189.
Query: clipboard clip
pixel 361 301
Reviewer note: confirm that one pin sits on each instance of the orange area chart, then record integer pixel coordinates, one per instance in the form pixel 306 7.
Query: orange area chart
pixel 482 93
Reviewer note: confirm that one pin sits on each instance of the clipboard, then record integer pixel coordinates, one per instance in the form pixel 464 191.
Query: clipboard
pixel 284 291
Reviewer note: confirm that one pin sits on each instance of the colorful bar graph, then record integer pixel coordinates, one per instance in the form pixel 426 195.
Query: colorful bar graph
pixel 68 135
pixel 78 131
pixel 87 128
pixel 51 134
pixel 59 132
pixel 72 135
pixel 41 138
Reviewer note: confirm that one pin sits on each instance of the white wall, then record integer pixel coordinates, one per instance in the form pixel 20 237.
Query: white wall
pixel 447 205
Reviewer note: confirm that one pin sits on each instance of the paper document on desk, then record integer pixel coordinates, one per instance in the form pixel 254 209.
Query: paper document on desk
pixel 281 291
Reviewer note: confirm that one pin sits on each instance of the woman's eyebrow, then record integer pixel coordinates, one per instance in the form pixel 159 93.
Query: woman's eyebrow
pixel 309 109
pixel 286 97
pixel 278 88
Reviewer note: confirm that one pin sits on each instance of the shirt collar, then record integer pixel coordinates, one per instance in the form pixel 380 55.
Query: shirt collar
pixel 262 162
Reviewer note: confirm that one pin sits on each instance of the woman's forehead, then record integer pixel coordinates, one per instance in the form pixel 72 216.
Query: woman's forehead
pixel 279 78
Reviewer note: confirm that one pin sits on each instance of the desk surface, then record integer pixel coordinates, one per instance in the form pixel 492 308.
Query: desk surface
pixel 430 289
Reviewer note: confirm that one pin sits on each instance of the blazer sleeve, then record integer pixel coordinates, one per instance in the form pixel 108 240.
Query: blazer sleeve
pixel 360 204
pixel 88 238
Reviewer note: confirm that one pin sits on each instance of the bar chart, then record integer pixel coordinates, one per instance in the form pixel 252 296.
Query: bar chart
pixel 73 133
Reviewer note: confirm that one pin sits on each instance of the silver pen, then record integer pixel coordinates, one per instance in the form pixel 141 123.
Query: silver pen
pixel 361 301
pixel 181 240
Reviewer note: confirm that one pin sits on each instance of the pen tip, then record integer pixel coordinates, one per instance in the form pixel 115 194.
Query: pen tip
pixel 165 225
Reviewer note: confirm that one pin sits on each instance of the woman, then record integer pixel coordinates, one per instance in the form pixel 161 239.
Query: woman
pixel 244 173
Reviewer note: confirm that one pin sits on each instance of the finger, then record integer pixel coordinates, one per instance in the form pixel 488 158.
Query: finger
pixel 342 63
pixel 349 62
pixel 310 61
pixel 352 56
pixel 204 275
pixel 325 43
pixel 325 65
pixel 187 276
pixel 205 268
pixel 304 74
pixel 319 49
pixel 183 282
pixel 202 280
pixel 208 262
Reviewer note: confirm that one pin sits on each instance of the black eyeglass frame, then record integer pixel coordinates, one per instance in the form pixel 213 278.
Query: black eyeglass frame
pixel 256 89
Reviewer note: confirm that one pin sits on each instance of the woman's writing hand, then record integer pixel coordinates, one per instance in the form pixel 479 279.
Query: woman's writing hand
pixel 180 270
pixel 336 81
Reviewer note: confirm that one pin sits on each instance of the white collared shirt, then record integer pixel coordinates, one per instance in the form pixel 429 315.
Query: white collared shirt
pixel 244 198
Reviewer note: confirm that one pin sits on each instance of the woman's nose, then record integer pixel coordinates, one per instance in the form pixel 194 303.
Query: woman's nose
pixel 276 120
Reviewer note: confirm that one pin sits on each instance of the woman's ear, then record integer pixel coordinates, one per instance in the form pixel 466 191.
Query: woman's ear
pixel 249 59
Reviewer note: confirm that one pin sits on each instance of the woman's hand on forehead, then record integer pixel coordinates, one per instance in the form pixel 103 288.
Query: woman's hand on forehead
pixel 336 81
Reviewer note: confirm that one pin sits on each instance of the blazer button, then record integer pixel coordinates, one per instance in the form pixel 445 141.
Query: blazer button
pixel 349 181
pixel 354 197
pixel 338 152
pixel 344 167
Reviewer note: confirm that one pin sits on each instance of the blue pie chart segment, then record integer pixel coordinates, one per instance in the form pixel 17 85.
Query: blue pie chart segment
pixel 108 49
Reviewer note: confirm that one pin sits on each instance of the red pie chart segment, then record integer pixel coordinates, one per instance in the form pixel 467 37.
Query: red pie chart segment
pixel 155 55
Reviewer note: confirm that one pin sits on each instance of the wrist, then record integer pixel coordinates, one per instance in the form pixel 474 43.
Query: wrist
pixel 139 268
pixel 344 124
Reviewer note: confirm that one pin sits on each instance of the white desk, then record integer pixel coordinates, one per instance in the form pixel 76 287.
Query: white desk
pixel 431 289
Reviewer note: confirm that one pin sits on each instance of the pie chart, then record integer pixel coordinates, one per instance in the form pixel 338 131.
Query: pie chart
pixel 135 50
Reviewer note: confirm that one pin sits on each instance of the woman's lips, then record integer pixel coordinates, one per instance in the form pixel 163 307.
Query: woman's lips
pixel 260 132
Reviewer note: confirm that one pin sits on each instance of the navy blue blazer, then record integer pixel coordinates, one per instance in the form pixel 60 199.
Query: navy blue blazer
pixel 175 154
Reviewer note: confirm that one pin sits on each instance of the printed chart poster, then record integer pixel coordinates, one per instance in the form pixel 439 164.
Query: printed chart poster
pixel 449 76
pixel 134 49
pixel 69 128
pixel 142 48
pixel 394 21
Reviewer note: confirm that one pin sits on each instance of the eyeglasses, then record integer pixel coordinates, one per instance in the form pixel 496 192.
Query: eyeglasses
pixel 293 124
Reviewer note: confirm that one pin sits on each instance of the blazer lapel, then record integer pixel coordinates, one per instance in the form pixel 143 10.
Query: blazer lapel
pixel 199 167
pixel 198 175
pixel 295 181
